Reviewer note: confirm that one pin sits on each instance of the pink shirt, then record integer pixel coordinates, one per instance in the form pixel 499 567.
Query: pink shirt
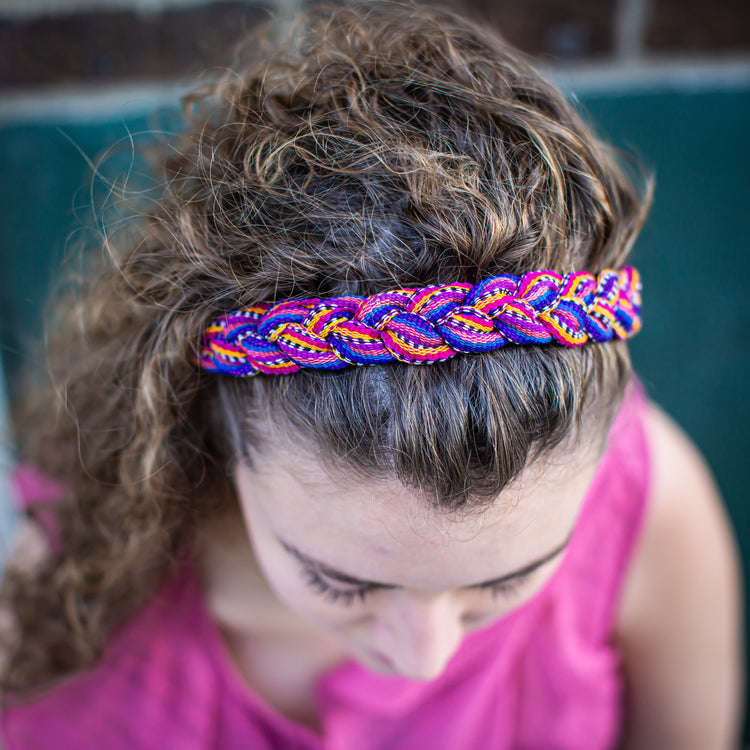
pixel 545 676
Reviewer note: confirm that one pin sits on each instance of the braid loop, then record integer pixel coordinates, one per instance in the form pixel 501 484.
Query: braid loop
pixel 424 325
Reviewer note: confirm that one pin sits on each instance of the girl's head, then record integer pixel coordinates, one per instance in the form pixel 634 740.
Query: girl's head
pixel 399 582
pixel 380 146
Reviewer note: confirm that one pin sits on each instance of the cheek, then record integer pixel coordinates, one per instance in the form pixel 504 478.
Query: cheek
pixel 289 584
pixel 483 608
pixel 286 580
pixel 531 587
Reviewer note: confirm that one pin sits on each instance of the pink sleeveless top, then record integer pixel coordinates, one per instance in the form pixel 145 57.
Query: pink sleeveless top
pixel 545 676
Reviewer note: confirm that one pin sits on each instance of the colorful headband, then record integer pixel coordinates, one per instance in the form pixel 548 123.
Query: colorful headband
pixel 424 325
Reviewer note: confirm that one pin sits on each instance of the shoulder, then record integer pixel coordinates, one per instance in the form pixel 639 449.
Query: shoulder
pixel 30 546
pixel 678 622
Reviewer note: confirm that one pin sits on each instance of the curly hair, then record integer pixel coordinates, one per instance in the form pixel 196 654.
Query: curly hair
pixel 380 145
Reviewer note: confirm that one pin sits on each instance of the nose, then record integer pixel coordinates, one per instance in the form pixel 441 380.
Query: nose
pixel 419 633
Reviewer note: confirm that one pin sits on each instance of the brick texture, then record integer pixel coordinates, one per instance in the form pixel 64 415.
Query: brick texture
pixel 117 45
pixel 106 45
pixel 686 26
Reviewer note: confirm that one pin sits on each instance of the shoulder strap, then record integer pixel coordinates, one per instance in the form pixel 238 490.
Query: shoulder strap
pixel 611 520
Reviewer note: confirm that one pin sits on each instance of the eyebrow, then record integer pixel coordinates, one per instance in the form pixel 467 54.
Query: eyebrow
pixel 337 575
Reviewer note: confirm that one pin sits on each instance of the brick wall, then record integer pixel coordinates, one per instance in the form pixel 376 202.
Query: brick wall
pixel 61 42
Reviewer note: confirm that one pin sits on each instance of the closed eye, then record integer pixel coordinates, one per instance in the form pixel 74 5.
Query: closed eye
pixel 341 588
pixel 348 595
pixel 507 587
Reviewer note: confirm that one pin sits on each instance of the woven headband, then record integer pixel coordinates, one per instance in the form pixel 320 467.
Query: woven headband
pixel 424 325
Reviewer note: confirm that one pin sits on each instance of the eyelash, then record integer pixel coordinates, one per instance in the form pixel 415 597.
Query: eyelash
pixel 349 596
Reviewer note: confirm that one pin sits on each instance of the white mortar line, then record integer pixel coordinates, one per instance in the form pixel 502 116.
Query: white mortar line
pixel 612 78
pixel 88 103
pixel 654 75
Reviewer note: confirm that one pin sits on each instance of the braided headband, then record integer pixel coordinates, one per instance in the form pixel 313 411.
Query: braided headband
pixel 424 325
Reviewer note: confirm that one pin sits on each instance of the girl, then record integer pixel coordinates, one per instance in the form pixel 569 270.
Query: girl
pixel 270 524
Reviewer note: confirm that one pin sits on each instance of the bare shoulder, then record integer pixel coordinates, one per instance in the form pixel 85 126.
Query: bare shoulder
pixel 679 619
pixel 30 546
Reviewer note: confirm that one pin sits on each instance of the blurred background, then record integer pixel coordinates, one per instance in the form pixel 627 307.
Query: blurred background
pixel 667 80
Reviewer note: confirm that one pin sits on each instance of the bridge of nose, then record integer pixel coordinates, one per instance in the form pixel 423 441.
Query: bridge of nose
pixel 420 633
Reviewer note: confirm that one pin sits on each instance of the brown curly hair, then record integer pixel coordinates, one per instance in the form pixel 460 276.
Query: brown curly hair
pixel 380 145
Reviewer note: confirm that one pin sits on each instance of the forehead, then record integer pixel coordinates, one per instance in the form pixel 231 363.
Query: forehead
pixel 375 529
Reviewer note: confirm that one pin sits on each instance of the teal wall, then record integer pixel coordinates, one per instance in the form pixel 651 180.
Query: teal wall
pixel 46 193
pixel 694 351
